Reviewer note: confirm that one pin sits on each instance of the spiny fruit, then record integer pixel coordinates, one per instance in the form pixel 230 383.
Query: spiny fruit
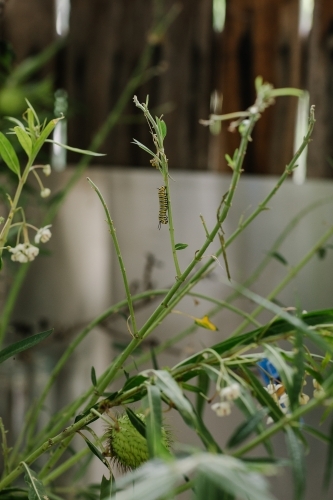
pixel 128 448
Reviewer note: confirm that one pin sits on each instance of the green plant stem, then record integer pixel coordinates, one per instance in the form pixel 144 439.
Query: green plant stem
pixel 62 419
pixel 158 314
pixel 69 431
pixel 65 466
pixel 119 256
pixel 11 299
pixel 262 206
pixel 171 225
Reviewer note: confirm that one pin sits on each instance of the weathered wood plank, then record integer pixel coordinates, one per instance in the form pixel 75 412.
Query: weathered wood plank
pixel 29 25
pixel 320 85
pixel 260 38
pixel 106 41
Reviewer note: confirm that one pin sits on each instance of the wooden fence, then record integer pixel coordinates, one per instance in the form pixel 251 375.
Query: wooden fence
pixel 112 52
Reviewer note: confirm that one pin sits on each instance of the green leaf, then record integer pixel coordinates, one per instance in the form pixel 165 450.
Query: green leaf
pixel 298 370
pixel 153 358
pixel 8 154
pixel 133 382
pixel 279 257
pixel 152 405
pixel 230 161
pixel 15 120
pixel 36 489
pixel 172 390
pixel 206 489
pixel 203 386
pixel 142 146
pixel 243 431
pixel 329 460
pixel 297 462
pixel 234 477
pixel 161 127
pixel 93 376
pixel 30 116
pixel 136 422
pixel 76 150
pixel 24 140
pixel 22 345
pixel 96 452
pixel 106 488
pixel 181 246
pixel 43 136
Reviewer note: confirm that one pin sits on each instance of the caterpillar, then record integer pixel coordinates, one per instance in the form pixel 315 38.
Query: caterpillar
pixel 163 200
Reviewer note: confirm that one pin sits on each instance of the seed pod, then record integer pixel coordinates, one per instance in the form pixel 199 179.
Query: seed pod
pixel 128 448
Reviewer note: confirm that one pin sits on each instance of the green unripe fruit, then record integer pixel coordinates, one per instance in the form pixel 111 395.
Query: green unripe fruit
pixel 128 448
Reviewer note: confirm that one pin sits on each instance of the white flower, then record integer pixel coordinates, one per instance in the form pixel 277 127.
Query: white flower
pixel 31 252
pixel 45 192
pixel 47 170
pixel 230 392
pixel 43 235
pixel 303 398
pixel 24 252
pixel 221 409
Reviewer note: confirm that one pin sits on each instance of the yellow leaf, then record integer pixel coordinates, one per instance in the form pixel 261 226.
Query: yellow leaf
pixel 205 323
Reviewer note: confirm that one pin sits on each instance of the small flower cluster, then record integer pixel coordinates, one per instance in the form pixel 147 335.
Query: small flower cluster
pixel 281 398
pixel 318 390
pixel 26 252
pixel 227 395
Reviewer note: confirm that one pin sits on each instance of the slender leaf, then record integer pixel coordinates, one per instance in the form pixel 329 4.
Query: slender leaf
pixel 76 150
pixel 181 246
pixel 24 139
pixel 152 405
pixel 136 421
pixel 296 454
pixel 203 386
pixel 96 452
pixel 36 489
pixel 43 136
pixel 280 258
pixel 153 358
pixel 205 489
pixel 243 431
pixel 93 376
pixel 142 146
pixel 15 120
pixel 133 382
pixel 8 154
pixel 22 345
pixel 173 392
pixel 298 371
pixel 161 127
pixel 329 460
pixel 106 488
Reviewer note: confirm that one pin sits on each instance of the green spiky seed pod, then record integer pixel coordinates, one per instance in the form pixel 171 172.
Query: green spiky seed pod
pixel 128 448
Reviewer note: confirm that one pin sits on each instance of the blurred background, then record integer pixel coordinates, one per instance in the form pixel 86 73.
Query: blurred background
pixel 86 59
